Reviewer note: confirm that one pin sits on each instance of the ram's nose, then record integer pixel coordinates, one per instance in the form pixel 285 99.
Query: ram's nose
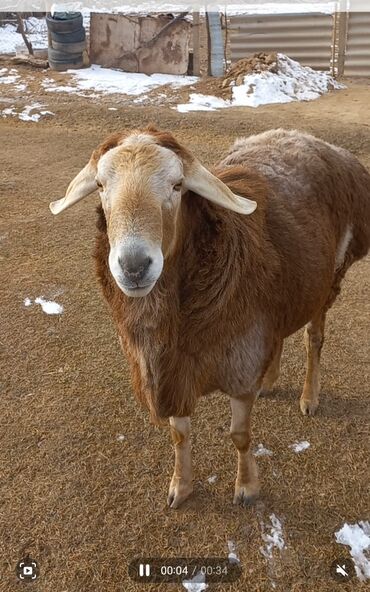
pixel 135 265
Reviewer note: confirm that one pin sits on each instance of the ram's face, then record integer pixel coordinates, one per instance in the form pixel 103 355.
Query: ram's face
pixel 140 185
pixel 141 178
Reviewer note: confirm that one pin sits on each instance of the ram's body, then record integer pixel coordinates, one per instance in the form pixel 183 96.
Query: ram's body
pixel 203 286
pixel 237 285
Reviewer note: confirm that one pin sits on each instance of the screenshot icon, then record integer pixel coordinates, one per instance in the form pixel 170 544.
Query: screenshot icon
pixel 27 569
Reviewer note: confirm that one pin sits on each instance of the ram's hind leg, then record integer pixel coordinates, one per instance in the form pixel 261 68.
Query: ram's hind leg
pixel 273 371
pixel 246 485
pixel 314 339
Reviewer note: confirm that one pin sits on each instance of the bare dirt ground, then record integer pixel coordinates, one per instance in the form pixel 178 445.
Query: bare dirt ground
pixel 80 500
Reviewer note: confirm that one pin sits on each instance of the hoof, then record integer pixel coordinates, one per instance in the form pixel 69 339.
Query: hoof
pixel 246 495
pixel 178 493
pixel 308 407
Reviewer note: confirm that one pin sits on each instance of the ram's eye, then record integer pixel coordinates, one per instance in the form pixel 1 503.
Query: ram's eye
pixel 177 187
pixel 99 184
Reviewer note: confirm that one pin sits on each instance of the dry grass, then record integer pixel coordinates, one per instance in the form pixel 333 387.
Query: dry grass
pixel 84 503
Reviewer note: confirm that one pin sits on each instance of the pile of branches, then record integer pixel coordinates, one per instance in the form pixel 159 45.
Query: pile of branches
pixel 257 63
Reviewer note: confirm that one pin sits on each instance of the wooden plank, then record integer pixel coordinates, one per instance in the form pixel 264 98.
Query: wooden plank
pixel 342 41
pixel 196 44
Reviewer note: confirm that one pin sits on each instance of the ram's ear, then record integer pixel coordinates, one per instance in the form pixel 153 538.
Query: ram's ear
pixel 198 179
pixel 81 186
pixel 84 183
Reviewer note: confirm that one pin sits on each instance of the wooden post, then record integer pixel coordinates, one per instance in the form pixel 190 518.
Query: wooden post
pixel 196 44
pixel 23 33
pixel 209 73
pixel 342 36
pixel 226 41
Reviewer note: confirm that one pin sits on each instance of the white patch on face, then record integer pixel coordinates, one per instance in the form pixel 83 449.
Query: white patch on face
pixel 136 139
pixel 105 166
pixel 167 177
pixel 342 247
pixel 162 181
pixel 160 176
pixel 144 285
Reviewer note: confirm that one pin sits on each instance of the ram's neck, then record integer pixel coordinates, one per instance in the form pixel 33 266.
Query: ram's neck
pixel 215 253
pixel 216 261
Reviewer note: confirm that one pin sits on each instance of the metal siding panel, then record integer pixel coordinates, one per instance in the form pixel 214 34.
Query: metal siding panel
pixel 357 61
pixel 306 37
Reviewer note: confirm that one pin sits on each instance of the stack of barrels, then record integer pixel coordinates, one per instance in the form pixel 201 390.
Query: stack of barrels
pixel 67 41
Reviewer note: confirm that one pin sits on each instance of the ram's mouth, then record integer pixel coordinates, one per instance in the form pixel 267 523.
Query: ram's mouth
pixel 138 291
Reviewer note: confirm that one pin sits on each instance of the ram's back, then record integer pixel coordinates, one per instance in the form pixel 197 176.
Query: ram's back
pixel 317 214
pixel 319 187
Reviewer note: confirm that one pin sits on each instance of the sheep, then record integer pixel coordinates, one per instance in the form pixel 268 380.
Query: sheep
pixel 206 273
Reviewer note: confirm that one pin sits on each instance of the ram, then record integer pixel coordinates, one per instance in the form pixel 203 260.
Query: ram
pixel 206 273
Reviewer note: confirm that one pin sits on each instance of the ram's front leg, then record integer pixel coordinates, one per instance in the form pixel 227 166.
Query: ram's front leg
pixel 181 485
pixel 246 485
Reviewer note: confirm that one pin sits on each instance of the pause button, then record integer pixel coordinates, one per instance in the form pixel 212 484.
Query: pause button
pixel 144 570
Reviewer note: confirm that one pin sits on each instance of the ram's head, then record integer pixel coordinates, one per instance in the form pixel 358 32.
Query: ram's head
pixel 141 177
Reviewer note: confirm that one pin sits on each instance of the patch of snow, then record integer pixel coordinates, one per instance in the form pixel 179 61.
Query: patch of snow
pixel 8 79
pixel 108 81
pixel 49 306
pixel 8 76
pixel 27 302
pixel 50 86
pixel 199 102
pixel 141 99
pixel 8 111
pixel 36 30
pixel 293 82
pixel 26 114
pixel 262 451
pixel 112 109
pixel 196 584
pixel 357 537
pixel 233 557
pixel 212 479
pixel 300 446
pixel 273 539
pixel 121 437
pixel 274 544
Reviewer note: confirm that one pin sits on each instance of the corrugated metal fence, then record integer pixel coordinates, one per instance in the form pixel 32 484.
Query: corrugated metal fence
pixel 340 43
pixel 357 46
pixel 304 37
